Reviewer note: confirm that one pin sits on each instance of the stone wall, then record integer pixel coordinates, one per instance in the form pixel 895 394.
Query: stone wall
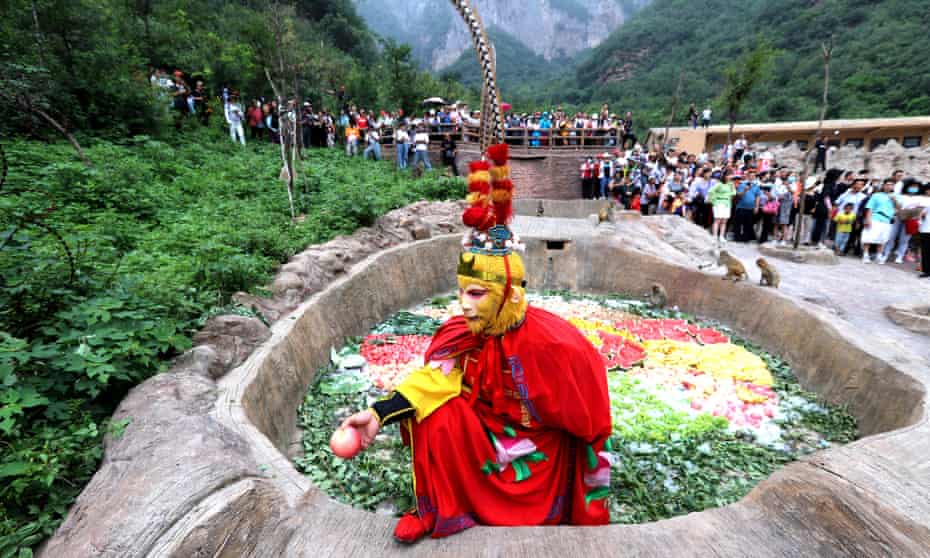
pixel 880 163
pixel 554 175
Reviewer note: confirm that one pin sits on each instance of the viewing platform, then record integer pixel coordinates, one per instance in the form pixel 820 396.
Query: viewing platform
pixel 544 163
pixel 522 141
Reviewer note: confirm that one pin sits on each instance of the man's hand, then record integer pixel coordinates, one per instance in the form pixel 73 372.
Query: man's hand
pixel 366 424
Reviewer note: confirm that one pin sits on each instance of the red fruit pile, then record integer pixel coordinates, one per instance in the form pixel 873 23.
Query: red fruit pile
pixel 382 349
pixel 675 330
pixel 620 351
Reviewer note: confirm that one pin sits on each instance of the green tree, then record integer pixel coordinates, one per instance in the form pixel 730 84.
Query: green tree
pixel 742 76
pixel 401 73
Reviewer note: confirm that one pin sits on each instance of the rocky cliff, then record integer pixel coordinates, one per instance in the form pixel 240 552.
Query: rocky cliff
pixel 550 28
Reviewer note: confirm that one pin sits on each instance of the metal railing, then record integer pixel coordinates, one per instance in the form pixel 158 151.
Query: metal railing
pixel 522 140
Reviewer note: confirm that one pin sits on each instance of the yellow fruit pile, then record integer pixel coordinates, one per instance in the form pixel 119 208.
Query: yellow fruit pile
pixel 722 361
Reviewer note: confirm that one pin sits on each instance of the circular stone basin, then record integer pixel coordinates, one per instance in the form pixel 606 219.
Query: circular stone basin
pixel 698 418
pixel 802 509
pixel 201 469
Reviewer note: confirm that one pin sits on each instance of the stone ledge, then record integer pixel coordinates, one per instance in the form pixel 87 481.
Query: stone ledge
pixel 558 209
pixel 911 318
pixel 804 254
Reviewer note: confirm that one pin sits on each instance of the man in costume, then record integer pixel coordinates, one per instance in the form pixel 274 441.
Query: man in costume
pixel 508 421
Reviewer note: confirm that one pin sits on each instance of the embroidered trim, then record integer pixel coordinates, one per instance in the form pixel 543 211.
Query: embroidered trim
pixel 591 456
pixel 425 505
pixel 598 493
pixel 556 510
pixel 452 525
pixel 516 370
pixel 441 354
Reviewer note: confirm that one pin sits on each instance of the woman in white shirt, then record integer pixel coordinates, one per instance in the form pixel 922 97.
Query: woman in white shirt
pixel 421 151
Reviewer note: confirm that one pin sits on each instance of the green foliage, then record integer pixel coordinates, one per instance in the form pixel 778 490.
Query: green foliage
pixel 876 68
pixel 519 69
pixel 407 323
pixel 744 75
pixel 161 234
pixel 687 474
pixel 87 62
pixel 379 475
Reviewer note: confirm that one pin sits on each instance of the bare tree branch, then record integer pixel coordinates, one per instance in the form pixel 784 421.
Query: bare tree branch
pixel 26 104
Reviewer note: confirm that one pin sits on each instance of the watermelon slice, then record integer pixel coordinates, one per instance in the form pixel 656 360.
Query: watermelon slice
pixel 710 336
pixel 619 351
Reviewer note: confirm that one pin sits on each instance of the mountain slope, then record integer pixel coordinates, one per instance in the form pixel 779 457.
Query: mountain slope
pixel 552 29
pixel 878 65
pixel 516 65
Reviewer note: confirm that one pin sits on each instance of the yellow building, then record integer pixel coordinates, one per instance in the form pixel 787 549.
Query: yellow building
pixel 867 132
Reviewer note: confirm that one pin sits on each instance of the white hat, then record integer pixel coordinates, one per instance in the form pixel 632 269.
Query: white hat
pixel 809 183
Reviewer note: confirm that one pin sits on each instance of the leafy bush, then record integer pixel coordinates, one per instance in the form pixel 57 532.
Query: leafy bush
pixel 157 236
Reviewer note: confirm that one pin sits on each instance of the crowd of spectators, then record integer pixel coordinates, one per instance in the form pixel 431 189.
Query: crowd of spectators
pixel 744 196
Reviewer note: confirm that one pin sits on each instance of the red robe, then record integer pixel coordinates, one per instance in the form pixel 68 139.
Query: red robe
pixel 523 443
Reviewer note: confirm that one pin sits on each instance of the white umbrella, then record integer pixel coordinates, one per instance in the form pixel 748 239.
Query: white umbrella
pixel 434 101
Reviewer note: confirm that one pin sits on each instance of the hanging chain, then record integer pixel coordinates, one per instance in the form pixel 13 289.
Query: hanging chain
pixel 492 118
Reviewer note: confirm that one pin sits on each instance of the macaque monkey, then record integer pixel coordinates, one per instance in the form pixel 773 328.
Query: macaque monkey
pixel 658 297
pixel 769 273
pixel 735 269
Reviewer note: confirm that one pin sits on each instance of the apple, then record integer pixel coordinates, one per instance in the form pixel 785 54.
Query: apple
pixel 346 442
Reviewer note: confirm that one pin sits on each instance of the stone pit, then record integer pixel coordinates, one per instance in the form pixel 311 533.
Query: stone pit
pixel 201 469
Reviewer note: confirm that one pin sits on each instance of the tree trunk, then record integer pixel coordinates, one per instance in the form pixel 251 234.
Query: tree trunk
pixel 827 49
pixel 285 157
pixel 26 105
pixel 731 117
pixel 40 42
pixel 671 117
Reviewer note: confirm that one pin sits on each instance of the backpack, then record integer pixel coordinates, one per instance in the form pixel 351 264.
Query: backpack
pixel 860 213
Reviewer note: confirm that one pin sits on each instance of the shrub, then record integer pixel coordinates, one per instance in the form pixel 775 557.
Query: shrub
pixel 159 235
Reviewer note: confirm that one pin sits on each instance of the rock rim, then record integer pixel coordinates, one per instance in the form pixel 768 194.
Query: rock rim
pixel 910 317
pixel 201 470
pixel 803 254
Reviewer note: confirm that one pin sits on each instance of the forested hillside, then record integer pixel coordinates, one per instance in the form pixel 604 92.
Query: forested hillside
pixel 519 69
pixel 878 66
pixel 115 248
pixel 86 62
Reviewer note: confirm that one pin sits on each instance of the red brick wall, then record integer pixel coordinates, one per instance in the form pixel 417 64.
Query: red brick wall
pixel 553 176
